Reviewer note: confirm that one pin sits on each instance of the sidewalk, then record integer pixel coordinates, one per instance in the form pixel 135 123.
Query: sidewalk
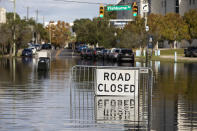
pixel 179 58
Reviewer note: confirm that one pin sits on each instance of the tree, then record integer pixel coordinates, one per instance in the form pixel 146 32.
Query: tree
pixel 81 29
pixel 23 34
pixel 191 20
pixel 105 32
pixel 96 31
pixel 174 28
pixel 23 31
pixel 155 23
pixel 134 34
pixel 60 33
pixel 6 39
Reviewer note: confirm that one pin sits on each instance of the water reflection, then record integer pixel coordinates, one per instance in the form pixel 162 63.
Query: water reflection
pixel 102 62
pixel 32 100
pixel 175 97
pixel 116 110
pixel 27 60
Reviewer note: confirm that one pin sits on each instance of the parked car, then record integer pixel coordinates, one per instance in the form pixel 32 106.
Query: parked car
pixel 114 54
pixel 82 53
pixel 33 48
pixel 81 47
pixel 46 46
pixel 98 51
pixel 190 51
pixel 107 53
pixel 43 63
pixel 89 53
pixel 125 55
pixel 102 53
pixel 27 52
pixel 38 47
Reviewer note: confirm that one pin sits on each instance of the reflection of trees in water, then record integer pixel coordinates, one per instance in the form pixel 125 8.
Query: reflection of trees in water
pixel 191 80
pixel 177 96
pixel 17 79
pixel 59 67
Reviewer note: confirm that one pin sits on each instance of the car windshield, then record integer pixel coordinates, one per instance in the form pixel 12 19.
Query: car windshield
pixel 99 49
pixel 27 49
pixel 117 51
pixel 126 51
pixel 88 50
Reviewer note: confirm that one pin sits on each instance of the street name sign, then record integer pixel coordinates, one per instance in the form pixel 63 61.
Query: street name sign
pixel 118 7
pixel 113 82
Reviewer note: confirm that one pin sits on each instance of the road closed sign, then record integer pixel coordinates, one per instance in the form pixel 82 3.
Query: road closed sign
pixel 117 82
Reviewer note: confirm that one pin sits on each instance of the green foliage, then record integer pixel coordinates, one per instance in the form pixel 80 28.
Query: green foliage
pixel 191 20
pixel 24 31
pixel 155 23
pixel 134 34
pixel 95 31
pixel 174 28
pixel 81 29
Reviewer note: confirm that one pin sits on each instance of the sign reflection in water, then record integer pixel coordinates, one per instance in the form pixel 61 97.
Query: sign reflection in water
pixel 116 109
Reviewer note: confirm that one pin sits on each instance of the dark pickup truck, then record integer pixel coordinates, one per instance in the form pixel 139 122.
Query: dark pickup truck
pixel 190 52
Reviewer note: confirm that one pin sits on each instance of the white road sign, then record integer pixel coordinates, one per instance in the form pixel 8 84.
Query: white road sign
pixel 117 82
pixel 145 7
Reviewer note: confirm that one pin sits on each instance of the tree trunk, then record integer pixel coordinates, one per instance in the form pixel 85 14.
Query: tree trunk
pixel 11 50
pixel 175 44
pixel 156 46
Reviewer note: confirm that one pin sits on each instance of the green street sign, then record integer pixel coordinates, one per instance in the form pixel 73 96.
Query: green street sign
pixel 118 7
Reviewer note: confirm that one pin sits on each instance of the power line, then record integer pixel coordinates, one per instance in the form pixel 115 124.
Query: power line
pixel 72 1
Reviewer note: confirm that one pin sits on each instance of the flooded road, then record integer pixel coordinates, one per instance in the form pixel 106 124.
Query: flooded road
pixel 44 100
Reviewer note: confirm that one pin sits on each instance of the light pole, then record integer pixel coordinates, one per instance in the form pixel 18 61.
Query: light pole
pixel 14 35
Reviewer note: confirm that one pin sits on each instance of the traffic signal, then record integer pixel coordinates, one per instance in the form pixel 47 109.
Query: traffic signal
pixel 135 8
pixel 101 11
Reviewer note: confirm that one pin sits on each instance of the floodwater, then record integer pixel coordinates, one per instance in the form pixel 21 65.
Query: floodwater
pixel 32 100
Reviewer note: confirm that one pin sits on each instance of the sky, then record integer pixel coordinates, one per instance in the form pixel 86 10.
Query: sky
pixel 54 10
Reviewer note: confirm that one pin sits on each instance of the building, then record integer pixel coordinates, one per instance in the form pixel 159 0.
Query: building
pixel 158 7
pixel 166 6
pixel 2 15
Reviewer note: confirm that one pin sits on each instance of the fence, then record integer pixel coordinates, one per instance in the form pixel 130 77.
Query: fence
pixel 90 109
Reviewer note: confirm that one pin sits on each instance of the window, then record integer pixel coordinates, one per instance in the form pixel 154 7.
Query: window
pixel 190 2
pixel 177 6
pixel 193 1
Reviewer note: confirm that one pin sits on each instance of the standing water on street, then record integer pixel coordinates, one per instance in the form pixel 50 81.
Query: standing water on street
pixel 50 100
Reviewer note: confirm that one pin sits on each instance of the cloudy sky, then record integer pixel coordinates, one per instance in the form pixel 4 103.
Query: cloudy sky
pixel 56 9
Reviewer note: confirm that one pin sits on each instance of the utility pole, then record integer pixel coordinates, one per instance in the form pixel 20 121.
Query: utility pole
pixel 27 18
pixel 37 16
pixel 14 35
pixel 145 17
pixel 43 20
pixel 50 31
pixel 36 25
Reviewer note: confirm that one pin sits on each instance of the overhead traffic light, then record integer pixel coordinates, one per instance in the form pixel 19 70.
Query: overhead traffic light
pixel 135 8
pixel 101 11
